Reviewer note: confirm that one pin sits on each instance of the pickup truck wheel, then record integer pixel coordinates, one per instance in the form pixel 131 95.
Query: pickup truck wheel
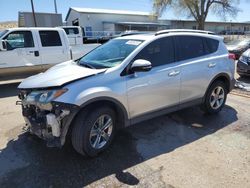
pixel 215 98
pixel 93 131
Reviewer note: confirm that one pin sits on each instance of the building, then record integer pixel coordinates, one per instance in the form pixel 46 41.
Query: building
pixel 26 19
pixel 102 22
pixel 217 27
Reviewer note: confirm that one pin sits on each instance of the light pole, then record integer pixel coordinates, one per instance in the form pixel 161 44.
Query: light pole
pixel 55 6
pixel 33 12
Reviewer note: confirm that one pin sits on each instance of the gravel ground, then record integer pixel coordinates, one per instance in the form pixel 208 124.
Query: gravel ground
pixel 182 149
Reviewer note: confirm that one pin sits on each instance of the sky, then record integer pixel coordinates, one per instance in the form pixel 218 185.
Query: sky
pixel 10 8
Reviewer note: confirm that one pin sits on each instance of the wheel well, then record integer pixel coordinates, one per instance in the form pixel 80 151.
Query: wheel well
pixel 121 116
pixel 221 77
pixel 224 79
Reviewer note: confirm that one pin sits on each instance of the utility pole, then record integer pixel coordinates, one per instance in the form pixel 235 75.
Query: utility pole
pixel 55 6
pixel 33 12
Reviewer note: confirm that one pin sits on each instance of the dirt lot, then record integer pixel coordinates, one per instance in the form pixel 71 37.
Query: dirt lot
pixel 182 149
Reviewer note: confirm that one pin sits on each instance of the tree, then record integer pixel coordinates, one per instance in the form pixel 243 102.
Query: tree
pixel 198 9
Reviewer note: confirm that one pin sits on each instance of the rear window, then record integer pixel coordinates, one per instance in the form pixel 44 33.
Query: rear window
pixel 50 38
pixel 189 47
pixel 71 31
pixel 211 45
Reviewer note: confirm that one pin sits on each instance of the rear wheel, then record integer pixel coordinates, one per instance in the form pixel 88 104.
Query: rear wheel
pixel 93 131
pixel 215 98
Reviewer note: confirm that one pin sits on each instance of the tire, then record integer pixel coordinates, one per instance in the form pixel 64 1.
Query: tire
pixel 90 121
pixel 216 92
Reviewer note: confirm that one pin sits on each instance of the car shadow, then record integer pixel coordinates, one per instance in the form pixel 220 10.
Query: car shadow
pixel 8 90
pixel 35 165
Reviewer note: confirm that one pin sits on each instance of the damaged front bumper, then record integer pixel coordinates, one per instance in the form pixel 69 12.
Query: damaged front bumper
pixel 49 121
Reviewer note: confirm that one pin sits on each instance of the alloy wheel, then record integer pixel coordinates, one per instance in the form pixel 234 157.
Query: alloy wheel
pixel 217 97
pixel 101 131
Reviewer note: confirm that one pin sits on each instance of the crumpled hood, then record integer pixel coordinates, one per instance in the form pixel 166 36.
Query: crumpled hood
pixel 58 75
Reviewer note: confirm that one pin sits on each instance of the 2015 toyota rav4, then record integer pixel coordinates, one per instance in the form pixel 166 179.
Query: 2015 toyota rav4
pixel 127 80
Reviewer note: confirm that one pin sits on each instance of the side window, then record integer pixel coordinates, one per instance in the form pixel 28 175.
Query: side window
pixel 159 52
pixel 189 47
pixel 71 31
pixel 19 39
pixel 210 45
pixel 50 38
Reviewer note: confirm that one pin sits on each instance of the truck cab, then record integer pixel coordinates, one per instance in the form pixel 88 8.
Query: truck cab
pixel 74 34
pixel 29 50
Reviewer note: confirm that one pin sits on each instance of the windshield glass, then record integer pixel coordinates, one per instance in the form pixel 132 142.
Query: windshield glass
pixel 110 54
pixel 3 32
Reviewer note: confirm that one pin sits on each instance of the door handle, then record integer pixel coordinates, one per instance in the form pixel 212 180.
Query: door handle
pixel 211 65
pixel 173 73
pixel 36 53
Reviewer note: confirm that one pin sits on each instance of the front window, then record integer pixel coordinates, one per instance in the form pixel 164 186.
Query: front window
pixel 2 33
pixel 110 54
pixel 19 39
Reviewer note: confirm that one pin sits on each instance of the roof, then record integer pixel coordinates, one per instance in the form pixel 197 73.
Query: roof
pixel 141 23
pixel 34 28
pixel 218 22
pixel 106 11
pixel 48 13
pixel 173 32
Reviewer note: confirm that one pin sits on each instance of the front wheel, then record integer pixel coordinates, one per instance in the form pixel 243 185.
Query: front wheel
pixel 93 131
pixel 215 98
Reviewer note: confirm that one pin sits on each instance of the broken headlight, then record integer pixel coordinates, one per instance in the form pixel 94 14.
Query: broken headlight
pixel 45 96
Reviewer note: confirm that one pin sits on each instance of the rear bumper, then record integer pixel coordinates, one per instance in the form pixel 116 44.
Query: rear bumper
pixel 243 68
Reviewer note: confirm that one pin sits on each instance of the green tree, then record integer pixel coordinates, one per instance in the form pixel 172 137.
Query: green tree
pixel 198 9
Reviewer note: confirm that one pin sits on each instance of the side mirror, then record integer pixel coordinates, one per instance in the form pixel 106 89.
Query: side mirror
pixel 141 65
pixel 3 45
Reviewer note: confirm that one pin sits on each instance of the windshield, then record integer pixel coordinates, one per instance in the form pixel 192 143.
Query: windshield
pixel 3 32
pixel 110 54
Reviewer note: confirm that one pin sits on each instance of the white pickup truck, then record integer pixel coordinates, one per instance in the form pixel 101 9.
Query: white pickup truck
pixel 30 50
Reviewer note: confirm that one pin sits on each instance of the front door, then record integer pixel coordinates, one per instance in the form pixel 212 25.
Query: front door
pixel 160 87
pixel 21 51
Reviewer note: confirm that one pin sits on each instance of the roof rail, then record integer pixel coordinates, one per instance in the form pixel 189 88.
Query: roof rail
pixel 183 30
pixel 133 33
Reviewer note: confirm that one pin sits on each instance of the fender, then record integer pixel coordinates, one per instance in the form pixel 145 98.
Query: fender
pixel 229 81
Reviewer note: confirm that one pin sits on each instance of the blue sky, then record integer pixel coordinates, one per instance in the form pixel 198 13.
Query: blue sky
pixel 10 8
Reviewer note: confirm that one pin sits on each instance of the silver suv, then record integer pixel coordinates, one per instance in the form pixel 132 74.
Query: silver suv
pixel 125 81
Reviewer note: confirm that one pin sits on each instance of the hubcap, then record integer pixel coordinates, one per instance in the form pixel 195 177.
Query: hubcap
pixel 217 97
pixel 101 131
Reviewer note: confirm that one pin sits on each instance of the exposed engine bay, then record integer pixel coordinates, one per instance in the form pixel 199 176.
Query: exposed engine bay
pixel 46 118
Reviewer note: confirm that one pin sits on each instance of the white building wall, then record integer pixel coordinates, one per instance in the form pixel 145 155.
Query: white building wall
pixel 96 20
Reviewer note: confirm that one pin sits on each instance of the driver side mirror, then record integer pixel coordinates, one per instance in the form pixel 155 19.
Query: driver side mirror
pixel 3 45
pixel 141 65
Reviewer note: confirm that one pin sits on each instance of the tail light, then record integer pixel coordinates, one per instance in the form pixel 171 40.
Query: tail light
pixel 232 56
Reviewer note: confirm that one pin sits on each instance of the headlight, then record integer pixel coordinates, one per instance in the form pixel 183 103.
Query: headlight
pixel 45 96
pixel 243 59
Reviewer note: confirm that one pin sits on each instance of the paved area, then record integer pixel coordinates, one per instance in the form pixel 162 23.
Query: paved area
pixel 182 149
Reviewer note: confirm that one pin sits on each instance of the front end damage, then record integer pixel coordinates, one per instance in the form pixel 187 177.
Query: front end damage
pixel 49 120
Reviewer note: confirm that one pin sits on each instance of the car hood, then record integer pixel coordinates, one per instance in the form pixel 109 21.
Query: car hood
pixel 58 75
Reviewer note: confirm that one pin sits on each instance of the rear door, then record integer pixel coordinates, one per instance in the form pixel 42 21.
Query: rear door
pixel 198 62
pixel 53 47
pixel 22 50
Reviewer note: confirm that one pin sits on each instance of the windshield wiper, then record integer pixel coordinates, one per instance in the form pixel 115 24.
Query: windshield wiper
pixel 86 65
